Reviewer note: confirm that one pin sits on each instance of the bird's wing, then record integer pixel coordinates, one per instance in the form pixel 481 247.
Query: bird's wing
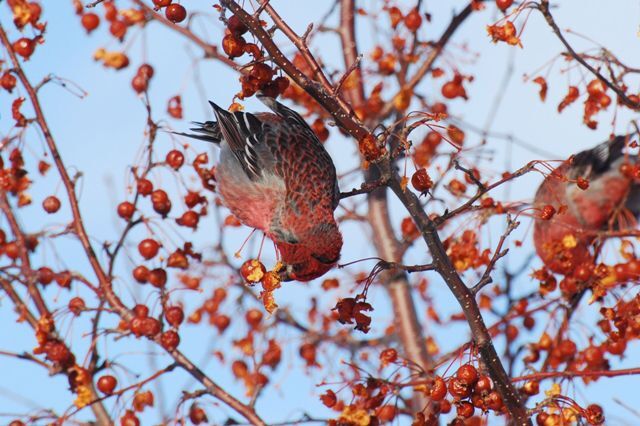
pixel 209 131
pixel 309 136
pixel 287 113
pixel 242 131
pixel 598 160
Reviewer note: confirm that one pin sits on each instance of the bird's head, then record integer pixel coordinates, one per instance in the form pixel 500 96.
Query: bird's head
pixel 311 252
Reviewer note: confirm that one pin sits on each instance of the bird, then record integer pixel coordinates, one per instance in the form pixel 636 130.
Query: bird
pixel 276 176
pixel 593 191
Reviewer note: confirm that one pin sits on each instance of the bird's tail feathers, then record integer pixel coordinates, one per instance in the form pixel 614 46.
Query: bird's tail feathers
pixel 209 131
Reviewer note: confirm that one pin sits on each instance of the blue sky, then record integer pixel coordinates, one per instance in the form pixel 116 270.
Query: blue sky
pixel 101 135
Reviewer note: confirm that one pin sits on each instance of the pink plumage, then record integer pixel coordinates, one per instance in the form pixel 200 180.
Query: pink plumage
pixel 563 241
pixel 276 176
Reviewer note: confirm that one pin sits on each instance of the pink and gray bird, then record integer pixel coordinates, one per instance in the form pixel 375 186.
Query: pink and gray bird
pixel 592 191
pixel 276 176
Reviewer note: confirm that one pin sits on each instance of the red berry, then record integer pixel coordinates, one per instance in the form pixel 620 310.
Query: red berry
pixel 141 274
pixel 261 72
pixel 170 340
pixel 161 3
pixel 90 21
pixel 125 210
pixel 197 414
pixel 483 384
pixel 129 419
pixel 438 389
pixel 77 305
pixel 145 187
pixel 458 389
pixel 582 183
pixel 141 311
pixel 253 318
pixel 146 71
pixel 8 81
pixel 63 278
pixel 236 26
pixel 189 219
pixel 252 271
pixel 175 13
pixel 467 374
pixel 547 212
pixel 504 4
pixel 51 204
pixel 45 275
pixel 24 47
pixel 465 409
pixel 150 327
pixel 106 384
pixel 233 45
pixel 118 29
pixel 160 201
pixel 413 20
pixel 452 90
pixel 421 180
pixel 175 159
pixel 158 277
pixel 140 83
pixel 12 250
pixel 110 11
pixel 148 248
pixel 174 315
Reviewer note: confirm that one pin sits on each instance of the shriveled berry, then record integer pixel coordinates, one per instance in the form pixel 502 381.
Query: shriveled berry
pixel 77 305
pixel 63 278
pixel 421 180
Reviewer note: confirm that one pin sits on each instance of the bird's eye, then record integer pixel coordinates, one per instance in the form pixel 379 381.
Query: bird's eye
pixel 324 259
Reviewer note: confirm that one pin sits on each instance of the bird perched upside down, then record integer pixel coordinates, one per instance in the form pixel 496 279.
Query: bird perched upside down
pixel 592 191
pixel 275 175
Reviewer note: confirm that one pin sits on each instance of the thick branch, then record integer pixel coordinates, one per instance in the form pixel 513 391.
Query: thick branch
pixel 466 299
